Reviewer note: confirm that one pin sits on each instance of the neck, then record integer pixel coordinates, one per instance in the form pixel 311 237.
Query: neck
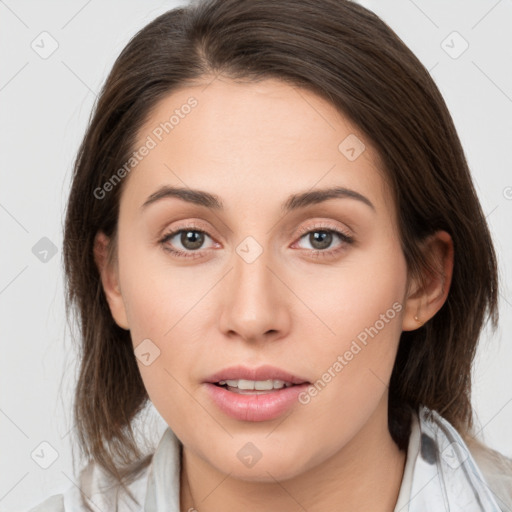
pixel 366 474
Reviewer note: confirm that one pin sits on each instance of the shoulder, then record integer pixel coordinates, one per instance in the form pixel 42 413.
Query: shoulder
pixel 96 490
pixel 465 466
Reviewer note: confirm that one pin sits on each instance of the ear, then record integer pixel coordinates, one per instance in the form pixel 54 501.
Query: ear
pixel 425 298
pixel 110 280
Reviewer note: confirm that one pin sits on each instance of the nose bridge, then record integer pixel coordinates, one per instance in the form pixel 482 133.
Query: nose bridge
pixel 254 303
pixel 251 274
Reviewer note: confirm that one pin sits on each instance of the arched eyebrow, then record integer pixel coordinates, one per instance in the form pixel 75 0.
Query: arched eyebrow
pixel 294 201
pixel 303 199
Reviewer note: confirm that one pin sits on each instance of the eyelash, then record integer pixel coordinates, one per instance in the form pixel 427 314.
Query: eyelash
pixel 345 238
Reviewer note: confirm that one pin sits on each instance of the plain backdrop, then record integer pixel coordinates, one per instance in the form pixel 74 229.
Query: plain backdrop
pixel 54 58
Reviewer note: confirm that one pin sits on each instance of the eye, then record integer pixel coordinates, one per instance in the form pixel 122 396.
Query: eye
pixel 321 238
pixel 190 239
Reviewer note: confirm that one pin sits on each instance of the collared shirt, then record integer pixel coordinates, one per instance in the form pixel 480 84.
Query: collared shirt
pixel 440 474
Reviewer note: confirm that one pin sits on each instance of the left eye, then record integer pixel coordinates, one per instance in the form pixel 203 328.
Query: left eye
pixel 321 239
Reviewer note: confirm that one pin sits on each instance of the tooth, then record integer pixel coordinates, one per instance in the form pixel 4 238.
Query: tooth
pixel 245 384
pixel 264 384
pixel 258 385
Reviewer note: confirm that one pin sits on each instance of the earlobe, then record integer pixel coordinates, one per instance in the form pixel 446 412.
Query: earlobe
pixel 110 280
pixel 427 295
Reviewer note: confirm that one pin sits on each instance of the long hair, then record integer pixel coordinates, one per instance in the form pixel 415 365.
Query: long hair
pixel 350 57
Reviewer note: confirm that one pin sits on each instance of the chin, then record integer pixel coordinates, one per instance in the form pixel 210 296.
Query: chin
pixel 266 469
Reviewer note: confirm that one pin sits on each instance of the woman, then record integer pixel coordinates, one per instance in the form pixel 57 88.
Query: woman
pixel 272 235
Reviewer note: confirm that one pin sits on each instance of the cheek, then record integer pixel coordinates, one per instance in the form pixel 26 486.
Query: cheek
pixel 351 297
pixel 363 307
pixel 360 306
pixel 159 302
pixel 157 293
pixel 162 323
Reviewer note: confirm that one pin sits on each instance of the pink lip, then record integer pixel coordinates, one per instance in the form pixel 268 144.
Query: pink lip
pixel 265 372
pixel 255 407
pixel 266 406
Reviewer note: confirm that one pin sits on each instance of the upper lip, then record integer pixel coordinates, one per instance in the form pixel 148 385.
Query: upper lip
pixel 264 372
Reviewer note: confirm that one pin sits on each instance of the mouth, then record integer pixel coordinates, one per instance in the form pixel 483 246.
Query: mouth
pixel 264 378
pixel 254 394
pixel 253 387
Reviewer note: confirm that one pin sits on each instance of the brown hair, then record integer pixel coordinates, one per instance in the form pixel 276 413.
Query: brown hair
pixel 347 55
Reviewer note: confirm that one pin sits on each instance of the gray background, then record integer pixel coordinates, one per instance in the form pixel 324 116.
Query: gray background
pixel 45 104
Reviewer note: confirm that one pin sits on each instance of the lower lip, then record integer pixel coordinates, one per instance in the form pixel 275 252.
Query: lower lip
pixel 255 407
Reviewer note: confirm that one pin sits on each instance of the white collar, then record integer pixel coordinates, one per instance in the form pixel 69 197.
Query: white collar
pixel 445 476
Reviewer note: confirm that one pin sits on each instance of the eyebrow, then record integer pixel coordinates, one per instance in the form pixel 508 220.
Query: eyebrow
pixel 294 201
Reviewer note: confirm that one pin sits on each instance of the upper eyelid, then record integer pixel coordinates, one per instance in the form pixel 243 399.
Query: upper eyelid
pixel 185 226
pixel 322 226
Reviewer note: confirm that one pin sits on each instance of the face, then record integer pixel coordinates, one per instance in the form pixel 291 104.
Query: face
pixel 315 286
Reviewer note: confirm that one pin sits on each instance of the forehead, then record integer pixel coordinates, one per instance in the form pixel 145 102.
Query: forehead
pixel 257 138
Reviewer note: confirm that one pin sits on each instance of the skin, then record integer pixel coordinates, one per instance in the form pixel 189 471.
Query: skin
pixel 254 144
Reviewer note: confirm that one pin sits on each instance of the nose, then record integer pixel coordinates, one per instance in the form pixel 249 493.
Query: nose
pixel 254 302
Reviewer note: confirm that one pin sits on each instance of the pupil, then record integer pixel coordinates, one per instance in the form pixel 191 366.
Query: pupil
pixel 192 239
pixel 322 241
